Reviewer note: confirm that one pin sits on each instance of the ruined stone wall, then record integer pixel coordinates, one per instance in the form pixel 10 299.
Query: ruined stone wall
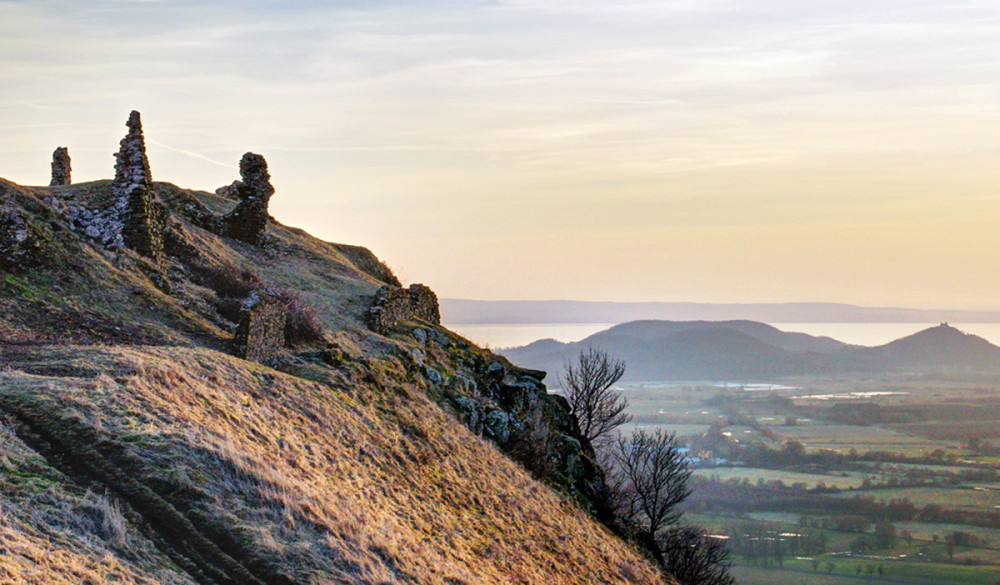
pixel 61 168
pixel 260 333
pixel 424 303
pixel 394 305
pixel 247 222
pixel 143 218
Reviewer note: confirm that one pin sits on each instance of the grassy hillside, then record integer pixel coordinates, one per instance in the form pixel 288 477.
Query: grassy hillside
pixel 138 451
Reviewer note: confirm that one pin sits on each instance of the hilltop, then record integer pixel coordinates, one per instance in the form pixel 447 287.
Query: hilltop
pixel 747 350
pixel 192 392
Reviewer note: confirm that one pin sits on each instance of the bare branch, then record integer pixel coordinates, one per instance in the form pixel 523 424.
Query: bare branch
pixel 588 385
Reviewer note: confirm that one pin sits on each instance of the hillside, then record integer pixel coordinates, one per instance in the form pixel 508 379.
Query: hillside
pixel 745 350
pixel 940 346
pixel 370 446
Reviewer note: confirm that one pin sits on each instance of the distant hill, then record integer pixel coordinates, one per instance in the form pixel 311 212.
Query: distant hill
pixel 746 350
pixel 473 312
pixel 940 346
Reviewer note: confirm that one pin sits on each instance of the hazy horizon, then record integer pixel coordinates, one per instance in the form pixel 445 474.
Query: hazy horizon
pixel 718 152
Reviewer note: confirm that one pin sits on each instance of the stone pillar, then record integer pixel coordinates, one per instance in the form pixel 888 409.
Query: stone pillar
pixel 143 218
pixel 260 334
pixel 247 222
pixel 60 167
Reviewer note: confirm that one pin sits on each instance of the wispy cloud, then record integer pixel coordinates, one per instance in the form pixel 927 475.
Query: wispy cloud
pixel 658 112
pixel 192 154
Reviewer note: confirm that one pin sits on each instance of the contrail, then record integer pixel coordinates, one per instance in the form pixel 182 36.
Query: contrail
pixel 191 154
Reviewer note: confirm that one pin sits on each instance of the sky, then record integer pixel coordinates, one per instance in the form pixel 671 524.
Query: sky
pixel 677 150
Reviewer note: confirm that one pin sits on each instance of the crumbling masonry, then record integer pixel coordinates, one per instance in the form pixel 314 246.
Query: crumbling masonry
pixel 143 219
pixel 247 222
pixel 260 334
pixel 60 167
pixel 394 305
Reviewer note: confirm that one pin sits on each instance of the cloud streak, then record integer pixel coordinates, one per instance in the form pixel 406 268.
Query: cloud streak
pixel 683 115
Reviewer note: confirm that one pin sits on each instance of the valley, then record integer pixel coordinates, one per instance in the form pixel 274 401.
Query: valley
pixel 840 479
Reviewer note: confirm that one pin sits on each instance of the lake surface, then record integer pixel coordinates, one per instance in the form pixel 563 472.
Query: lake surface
pixel 870 334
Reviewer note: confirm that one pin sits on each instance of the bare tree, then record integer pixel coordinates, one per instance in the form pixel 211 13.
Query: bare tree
pixel 648 478
pixel 588 385
pixel 694 558
pixel 651 477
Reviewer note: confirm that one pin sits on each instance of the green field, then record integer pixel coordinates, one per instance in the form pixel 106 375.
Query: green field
pixel 838 437
pixel 811 480
pixel 957 497
pixel 797 572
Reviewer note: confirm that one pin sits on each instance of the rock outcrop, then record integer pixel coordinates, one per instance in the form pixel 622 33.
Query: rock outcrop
pixel 61 168
pixel 394 305
pixel 512 407
pixel 143 219
pixel 260 334
pixel 21 243
pixel 247 222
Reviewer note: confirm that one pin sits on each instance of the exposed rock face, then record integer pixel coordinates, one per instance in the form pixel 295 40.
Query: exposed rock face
pixel 394 305
pixel 21 244
pixel 260 334
pixel 248 221
pixel 143 218
pixel 60 167
pixel 511 407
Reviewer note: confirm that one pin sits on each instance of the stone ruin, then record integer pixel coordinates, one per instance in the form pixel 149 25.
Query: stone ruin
pixel 20 242
pixel 260 333
pixel 143 219
pixel 60 167
pixel 247 222
pixel 394 305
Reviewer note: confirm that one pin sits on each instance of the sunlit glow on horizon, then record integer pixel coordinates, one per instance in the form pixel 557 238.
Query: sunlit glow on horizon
pixel 760 151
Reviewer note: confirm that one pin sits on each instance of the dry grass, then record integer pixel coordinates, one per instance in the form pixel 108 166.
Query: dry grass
pixel 364 480
pixel 51 534
pixel 335 485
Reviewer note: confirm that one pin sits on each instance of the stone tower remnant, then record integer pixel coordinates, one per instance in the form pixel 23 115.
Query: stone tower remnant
pixel 60 167
pixel 260 334
pixel 247 222
pixel 143 218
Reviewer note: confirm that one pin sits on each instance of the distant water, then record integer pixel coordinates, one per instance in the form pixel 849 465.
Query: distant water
pixel 870 334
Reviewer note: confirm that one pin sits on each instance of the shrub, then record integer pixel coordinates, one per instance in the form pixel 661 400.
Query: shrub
pixel 301 324
pixel 228 280
pixel 232 284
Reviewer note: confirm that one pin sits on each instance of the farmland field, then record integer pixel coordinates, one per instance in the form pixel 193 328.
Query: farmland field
pixel 811 480
pixel 784 464
pixel 954 497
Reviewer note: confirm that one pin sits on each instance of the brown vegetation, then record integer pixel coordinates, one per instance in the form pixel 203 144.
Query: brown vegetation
pixel 346 484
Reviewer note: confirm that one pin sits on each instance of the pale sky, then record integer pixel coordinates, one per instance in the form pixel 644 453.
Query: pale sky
pixel 690 150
